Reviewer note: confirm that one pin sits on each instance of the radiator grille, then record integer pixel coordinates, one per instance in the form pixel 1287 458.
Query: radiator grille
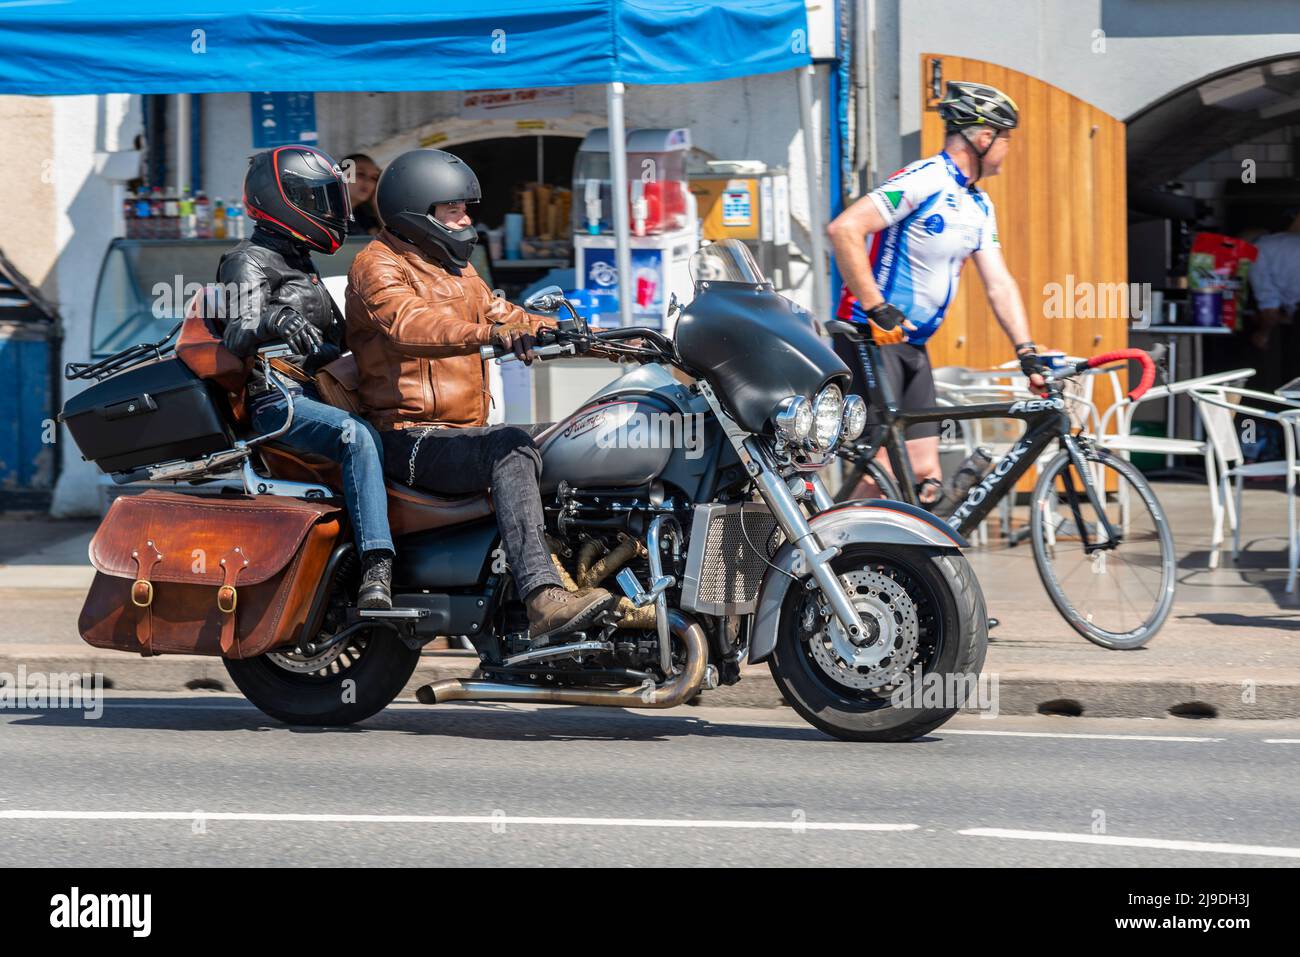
pixel 727 561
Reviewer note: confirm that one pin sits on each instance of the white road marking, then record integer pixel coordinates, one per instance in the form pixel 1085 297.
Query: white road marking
pixel 488 819
pixel 1282 740
pixel 1081 734
pixel 1201 847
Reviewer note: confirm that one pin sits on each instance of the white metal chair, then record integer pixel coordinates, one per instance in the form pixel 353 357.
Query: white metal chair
pixel 1218 412
pixel 1217 458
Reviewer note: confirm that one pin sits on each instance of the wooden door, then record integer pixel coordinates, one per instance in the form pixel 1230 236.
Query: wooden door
pixel 1060 203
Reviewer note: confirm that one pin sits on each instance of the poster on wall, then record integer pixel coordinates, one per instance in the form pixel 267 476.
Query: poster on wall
pixel 281 119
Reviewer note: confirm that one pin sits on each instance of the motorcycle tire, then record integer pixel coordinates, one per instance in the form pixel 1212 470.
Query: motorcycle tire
pixel 378 663
pixel 940 582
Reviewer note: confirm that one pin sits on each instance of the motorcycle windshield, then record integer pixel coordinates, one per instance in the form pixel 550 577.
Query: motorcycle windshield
pixel 727 261
pixel 751 344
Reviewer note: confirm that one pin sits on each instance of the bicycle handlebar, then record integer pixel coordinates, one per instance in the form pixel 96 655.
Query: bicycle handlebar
pixel 1148 368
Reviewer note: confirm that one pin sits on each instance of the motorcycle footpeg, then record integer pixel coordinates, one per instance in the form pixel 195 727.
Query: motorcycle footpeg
pixel 639 597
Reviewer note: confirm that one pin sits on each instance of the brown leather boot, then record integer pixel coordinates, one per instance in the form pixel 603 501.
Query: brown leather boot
pixel 554 611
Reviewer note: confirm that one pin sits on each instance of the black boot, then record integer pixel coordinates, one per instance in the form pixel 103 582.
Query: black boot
pixel 376 580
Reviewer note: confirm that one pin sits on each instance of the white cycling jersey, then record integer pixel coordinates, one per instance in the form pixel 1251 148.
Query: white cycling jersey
pixel 936 218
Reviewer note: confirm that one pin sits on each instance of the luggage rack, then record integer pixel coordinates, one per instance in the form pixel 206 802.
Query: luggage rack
pixel 128 358
pixel 234 463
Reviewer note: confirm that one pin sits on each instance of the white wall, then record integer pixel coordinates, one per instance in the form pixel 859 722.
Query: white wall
pixel 1151 47
pixel 87 215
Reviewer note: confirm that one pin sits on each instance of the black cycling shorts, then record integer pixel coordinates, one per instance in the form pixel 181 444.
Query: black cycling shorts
pixel 907 370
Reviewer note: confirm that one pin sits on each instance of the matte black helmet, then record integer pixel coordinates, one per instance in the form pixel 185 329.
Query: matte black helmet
pixel 298 192
pixel 409 189
pixel 974 104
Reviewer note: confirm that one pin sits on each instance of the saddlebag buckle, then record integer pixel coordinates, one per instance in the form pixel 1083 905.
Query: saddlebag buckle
pixel 142 593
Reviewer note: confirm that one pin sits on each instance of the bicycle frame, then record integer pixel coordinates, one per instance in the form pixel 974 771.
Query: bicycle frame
pixel 1045 418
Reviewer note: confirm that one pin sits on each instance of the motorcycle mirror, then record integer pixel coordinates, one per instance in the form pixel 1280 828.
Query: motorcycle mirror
pixel 545 300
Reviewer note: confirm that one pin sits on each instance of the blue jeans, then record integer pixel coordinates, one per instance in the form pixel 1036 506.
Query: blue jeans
pixel 351 442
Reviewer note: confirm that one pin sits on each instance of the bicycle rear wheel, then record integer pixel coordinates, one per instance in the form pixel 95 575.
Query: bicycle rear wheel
pixel 855 473
pixel 1117 595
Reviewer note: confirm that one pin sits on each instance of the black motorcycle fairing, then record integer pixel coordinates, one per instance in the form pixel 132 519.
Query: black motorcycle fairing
pixel 753 349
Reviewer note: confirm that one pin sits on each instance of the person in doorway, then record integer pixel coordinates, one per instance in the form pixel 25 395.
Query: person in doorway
pixel 417 314
pixel 901 248
pixel 362 175
pixel 1275 283
pixel 297 200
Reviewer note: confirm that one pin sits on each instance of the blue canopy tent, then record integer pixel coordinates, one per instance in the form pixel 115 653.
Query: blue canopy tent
pixel 209 46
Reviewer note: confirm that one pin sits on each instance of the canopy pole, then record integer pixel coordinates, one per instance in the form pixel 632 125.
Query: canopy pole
pixel 816 211
pixel 619 194
pixel 182 143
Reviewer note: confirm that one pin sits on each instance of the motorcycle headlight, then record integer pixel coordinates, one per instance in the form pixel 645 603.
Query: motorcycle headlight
pixel 828 416
pixel 794 419
pixel 855 417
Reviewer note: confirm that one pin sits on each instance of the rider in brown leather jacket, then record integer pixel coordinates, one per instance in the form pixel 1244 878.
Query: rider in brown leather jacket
pixel 417 313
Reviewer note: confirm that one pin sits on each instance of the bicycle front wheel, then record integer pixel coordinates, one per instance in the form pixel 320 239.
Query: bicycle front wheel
pixel 1116 591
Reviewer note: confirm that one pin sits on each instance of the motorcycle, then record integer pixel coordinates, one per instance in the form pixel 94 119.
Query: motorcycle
pixel 691 482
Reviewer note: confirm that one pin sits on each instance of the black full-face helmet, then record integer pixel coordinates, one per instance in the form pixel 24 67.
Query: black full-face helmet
pixel 409 189
pixel 298 192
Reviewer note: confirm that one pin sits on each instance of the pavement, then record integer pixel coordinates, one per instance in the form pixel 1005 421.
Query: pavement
pixel 203 779
pixel 1230 649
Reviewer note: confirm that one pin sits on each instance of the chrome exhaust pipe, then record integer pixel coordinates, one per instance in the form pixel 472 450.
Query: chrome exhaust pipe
pixel 678 689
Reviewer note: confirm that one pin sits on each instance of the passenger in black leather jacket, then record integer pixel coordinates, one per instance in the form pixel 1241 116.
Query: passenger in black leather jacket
pixel 273 294
pixel 280 286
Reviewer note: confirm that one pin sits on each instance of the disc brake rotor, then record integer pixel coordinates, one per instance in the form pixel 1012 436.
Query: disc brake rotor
pixel 295 662
pixel 889 642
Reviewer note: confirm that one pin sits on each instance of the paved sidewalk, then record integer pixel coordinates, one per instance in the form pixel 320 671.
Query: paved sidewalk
pixel 1231 646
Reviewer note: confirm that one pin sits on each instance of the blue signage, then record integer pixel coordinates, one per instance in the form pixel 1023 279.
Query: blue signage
pixel 282 119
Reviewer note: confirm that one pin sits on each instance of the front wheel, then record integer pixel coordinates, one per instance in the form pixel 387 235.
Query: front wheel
pixel 1115 590
pixel 918 661
pixel 343 685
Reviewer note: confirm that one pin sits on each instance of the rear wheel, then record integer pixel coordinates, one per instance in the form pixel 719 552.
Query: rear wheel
pixel 342 685
pixel 917 663
pixel 1116 593
pixel 854 473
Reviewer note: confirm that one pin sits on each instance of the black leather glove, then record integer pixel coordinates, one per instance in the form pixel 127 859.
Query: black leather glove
pixel 296 332
pixel 324 354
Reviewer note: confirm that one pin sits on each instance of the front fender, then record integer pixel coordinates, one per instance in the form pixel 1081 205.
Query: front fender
pixel 870 521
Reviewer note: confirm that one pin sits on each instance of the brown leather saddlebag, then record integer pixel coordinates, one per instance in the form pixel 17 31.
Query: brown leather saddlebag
pixel 197 575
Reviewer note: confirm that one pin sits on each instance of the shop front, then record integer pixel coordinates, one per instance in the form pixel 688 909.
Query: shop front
pixel 179 208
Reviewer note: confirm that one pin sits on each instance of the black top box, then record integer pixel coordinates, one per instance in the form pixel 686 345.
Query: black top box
pixel 152 413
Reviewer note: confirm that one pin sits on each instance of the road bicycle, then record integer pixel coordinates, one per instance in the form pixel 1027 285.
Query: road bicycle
pixel 1102 545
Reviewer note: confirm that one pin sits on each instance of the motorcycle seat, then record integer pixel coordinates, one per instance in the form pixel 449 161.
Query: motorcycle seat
pixel 409 509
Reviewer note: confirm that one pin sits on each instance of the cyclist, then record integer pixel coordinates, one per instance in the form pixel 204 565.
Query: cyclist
pixel 920 226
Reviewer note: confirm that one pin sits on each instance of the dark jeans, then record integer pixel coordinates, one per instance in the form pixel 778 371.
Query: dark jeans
pixel 502 458
pixel 348 440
